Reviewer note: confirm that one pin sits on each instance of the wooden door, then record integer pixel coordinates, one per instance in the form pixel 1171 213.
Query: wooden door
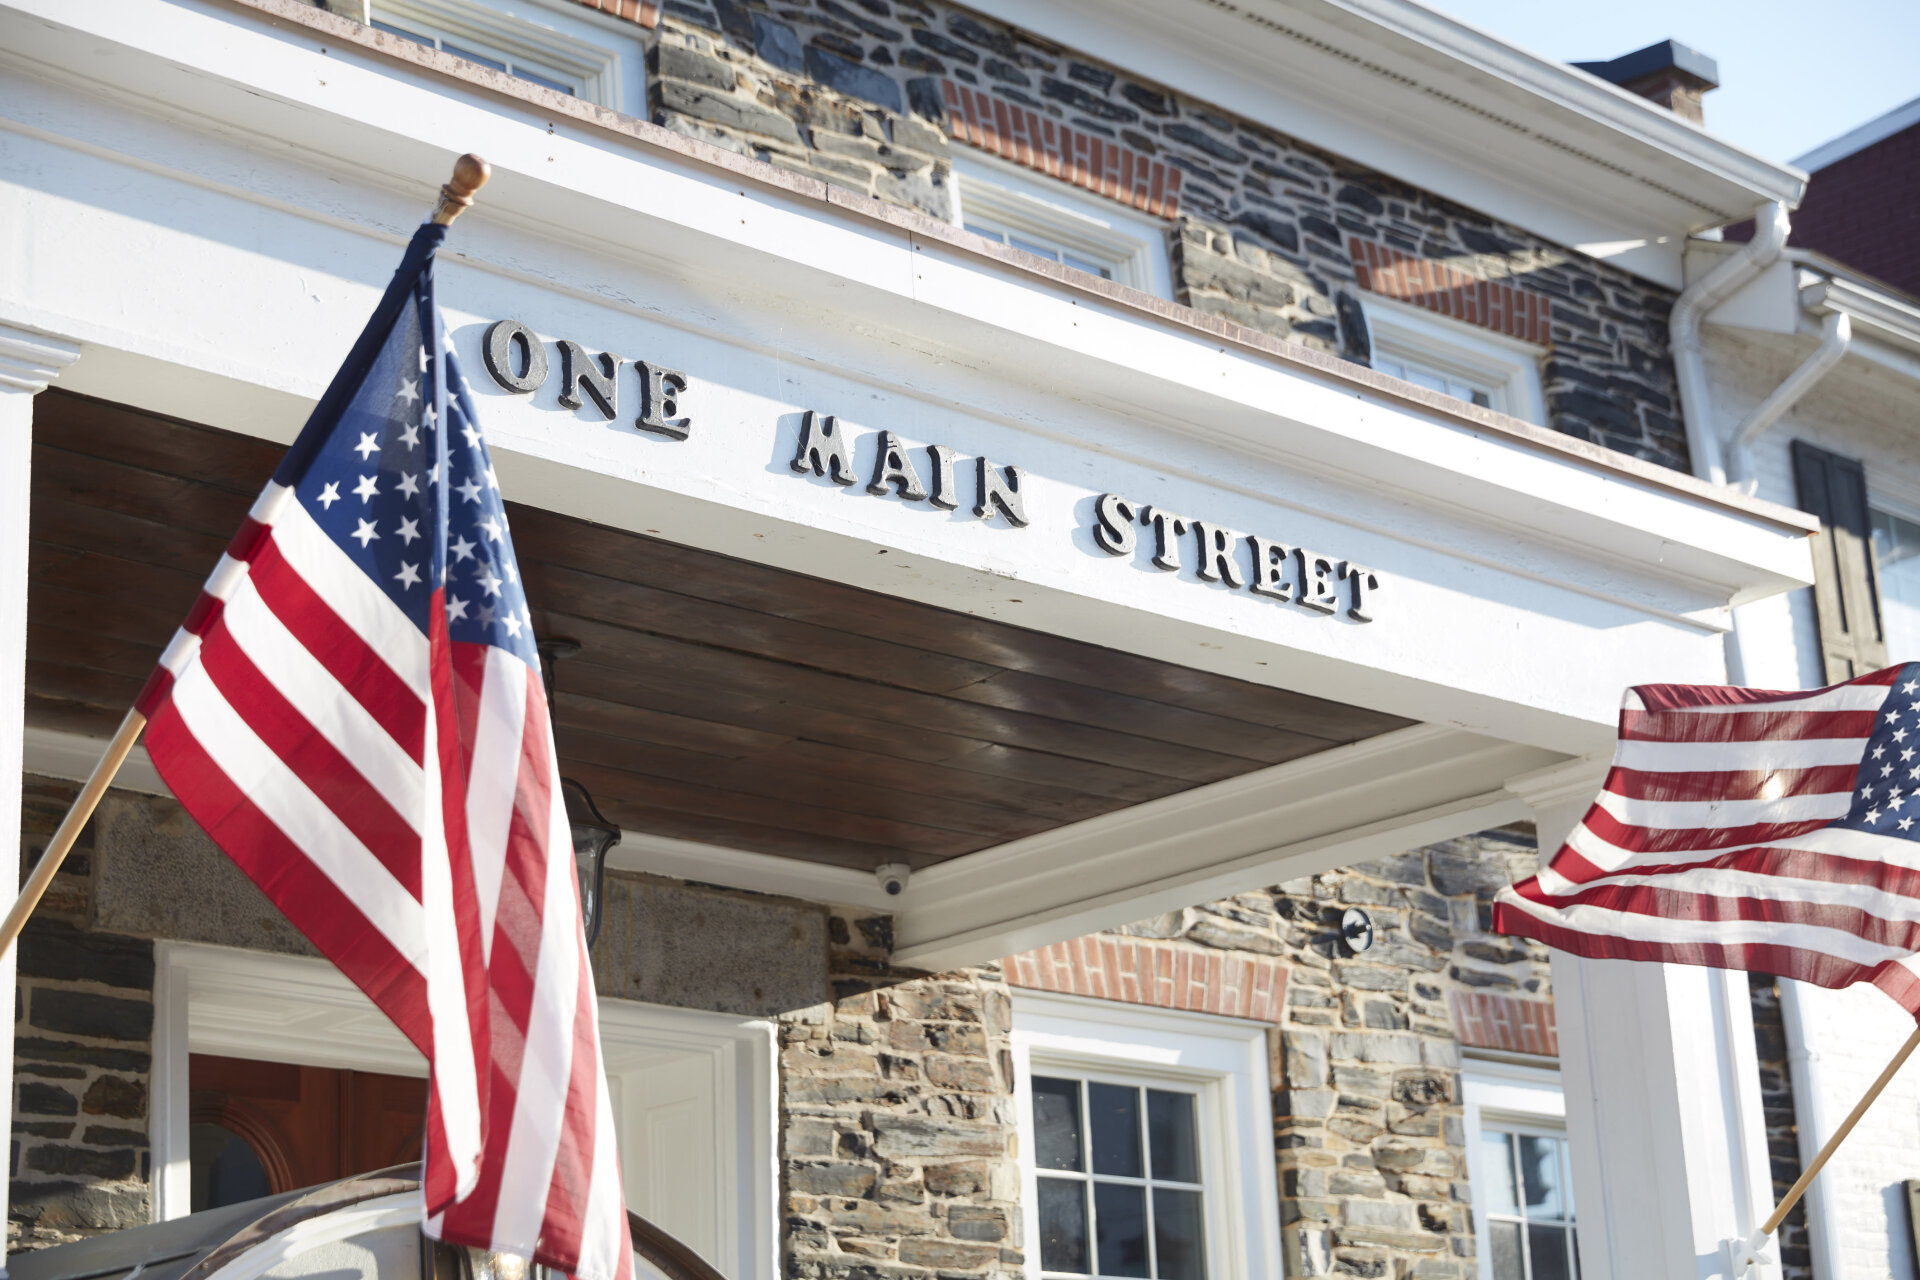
pixel 303 1125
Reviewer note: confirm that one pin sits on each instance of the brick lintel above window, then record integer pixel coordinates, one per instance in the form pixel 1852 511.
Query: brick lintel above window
pixel 1035 141
pixel 1438 286
pixel 1165 975
pixel 644 12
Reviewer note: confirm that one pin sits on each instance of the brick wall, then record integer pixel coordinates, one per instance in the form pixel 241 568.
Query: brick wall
pixel 1864 211
pixel 877 95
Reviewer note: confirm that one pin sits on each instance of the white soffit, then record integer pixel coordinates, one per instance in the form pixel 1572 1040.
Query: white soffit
pixel 1441 105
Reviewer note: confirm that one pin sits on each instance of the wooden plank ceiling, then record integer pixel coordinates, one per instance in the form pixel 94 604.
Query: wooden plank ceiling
pixel 713 699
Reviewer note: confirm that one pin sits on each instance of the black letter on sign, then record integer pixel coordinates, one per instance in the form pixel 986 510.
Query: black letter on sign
pixel 660 391
pixel 893 467
pixel 1113 532
pixel 577 374
pixel 941 459
pixel 1360 584
pixel 1316 582
pixel 1003 493
pixel 1270 567
pixel 1167 528
pixel 823 448
pixel 1216 554
pixel 496 352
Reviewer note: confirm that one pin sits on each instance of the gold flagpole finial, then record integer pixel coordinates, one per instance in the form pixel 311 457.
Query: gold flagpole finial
pixel 470 173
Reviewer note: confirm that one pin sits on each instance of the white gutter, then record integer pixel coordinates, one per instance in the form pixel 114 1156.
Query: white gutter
pixel 1689 358
pixel 1836 333
pixel 1813 1125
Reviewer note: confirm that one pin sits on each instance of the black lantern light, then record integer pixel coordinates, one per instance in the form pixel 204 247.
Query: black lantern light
pixel 593 835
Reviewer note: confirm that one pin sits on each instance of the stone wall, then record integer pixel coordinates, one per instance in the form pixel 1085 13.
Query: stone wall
pixel 1783 1132
pixel 83 1023
pixel 899 1153
pixel 860 93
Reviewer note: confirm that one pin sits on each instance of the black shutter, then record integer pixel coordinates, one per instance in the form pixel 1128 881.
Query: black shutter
pixel 1845 590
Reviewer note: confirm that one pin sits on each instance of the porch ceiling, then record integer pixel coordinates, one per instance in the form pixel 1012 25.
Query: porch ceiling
pixel 714 699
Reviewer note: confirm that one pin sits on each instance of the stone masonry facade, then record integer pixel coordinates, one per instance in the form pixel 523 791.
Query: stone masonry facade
pixel 878 96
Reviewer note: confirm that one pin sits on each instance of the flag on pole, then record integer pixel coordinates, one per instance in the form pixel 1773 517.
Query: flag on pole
pixel 353 711
pixel 1749 829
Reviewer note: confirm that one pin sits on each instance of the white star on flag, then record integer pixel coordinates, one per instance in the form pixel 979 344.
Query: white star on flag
pixel 367 447
pixel 408 531
pixel 408 576
pixel 329 496
pixel 366 489
pixel 365 533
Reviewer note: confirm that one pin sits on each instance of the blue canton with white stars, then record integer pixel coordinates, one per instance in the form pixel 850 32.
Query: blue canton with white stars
pixel 385 469
pixel 1886 794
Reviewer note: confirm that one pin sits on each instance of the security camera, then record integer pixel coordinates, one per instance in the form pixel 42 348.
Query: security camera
pixel 893 877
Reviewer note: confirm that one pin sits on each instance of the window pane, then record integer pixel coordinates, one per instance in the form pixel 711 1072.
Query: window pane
pixel 1548 1247
pixel 988 232
pixel 471 56
pixel 1480 398
pixel 1171 1137
pixel 1113 1114
pixel 1063 1225
pixel 1088 265
pixel 1179 1235
pixel 1540 1174
pixel 1504 1237
pixel 1120 1226
pixel 1496 1159
pixel 224 1168
pixel 390 29
pixel 1896 549
pixel 1034 247
pixel 542 81
pixel 1056 1124
pixel 1389 366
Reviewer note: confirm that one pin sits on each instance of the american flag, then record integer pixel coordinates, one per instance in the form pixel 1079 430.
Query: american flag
pixel 1749 829
pixel 353 711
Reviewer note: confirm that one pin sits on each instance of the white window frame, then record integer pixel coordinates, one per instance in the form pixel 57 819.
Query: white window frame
pixel 1516 1095
pixel 603 54
pixel 298 1009
pixel 1222 1060
pixel 1133 244
pixel 1507 367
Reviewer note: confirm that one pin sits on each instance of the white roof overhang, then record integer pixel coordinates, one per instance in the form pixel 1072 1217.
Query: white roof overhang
pixel 1442 105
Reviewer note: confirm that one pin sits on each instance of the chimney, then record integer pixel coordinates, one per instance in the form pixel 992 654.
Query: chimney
pixel 1668 73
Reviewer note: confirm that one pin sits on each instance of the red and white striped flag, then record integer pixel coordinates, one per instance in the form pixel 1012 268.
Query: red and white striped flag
pixel 353 711
pixel 1749 829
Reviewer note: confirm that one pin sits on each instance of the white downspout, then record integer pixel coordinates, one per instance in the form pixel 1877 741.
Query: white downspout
pixel 1836 331
pixel 1691 308
pixel 1814 1124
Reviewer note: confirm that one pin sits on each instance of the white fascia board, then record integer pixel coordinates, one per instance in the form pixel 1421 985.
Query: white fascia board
pixel 1875 313
pixel 1442 106
pixel 138 200
pixel 1384 795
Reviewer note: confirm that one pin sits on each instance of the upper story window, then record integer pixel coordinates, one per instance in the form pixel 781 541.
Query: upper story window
pixel 1460 360
pixel 558 46
pixel 1046 217
pixel 1147 1148
pixel 1896 552
pixel 1520 1172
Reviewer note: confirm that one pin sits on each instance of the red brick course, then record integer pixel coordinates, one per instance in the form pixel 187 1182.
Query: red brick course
pixel 1437 286
pixel 1163 974
pixel 1488 1021
pixel 1035 141
pixel 644 12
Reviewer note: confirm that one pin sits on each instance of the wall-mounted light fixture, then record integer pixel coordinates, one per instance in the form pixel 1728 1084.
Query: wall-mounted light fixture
pixel 593 836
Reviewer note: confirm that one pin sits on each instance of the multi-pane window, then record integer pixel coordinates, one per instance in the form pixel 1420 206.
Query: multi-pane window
pixel 1526 1194
pixel 1044 249
pixel 1896 552
pixel 1119 1182
pixel 1437 379
pixel 487 56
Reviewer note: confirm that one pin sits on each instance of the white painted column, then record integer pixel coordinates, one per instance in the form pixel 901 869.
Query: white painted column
pixel 28 362
pixel 1662 1086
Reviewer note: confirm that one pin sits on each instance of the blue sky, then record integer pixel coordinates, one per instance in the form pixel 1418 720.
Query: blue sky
pixel 1793 73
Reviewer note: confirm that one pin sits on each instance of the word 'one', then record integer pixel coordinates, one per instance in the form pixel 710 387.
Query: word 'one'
pixel 517 360
pixel 1280 572
pixel 824 450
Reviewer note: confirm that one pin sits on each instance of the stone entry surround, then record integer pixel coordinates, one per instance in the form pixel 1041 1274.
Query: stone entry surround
pixel 898 1130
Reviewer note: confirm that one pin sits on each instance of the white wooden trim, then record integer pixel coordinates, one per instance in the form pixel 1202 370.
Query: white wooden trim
pixel 300 1009
pixel 1225 1058
pixel 1132 244
pixel 1508 366
pixel 564 41
pixel 1513 1093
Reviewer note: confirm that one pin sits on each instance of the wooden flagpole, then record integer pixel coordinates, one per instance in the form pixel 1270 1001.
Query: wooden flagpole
pixel 470 173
